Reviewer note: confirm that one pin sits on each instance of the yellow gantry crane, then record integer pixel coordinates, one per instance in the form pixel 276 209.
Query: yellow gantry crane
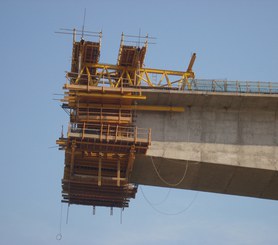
pixel 103 140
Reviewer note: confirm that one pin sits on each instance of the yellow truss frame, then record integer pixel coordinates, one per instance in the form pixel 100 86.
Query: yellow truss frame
pixel 116 76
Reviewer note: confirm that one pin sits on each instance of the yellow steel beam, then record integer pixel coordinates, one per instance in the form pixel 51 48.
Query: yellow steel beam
pixel 89 76
pixel 79 75
pixel 191 63
pixel 122 90
pixel 148 79
pixel 139 78
pixel 61 142
pixel 119 80
pixel 168 81
pixel 161 79
pixel 130 107
pixel 158 108
pixel 148 70
pixel 111 96
pixel 109 78
pixel 129 79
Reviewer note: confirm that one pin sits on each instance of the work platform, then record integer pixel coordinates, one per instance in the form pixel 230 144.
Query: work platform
pixel 132 125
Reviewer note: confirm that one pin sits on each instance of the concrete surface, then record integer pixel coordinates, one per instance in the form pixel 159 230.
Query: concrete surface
pixel 226 143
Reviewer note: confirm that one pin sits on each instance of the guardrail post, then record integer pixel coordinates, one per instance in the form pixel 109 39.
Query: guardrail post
pixel 225 86
pixel 213 86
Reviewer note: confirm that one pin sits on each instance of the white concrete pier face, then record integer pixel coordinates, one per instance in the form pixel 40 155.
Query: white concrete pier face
pixel 226 143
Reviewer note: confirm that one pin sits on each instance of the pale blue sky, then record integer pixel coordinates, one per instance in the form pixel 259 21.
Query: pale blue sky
pixel 235 40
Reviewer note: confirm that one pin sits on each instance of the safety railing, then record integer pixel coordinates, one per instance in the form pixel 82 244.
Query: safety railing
pixel 107 132
pixel 103 115
pixel 232 86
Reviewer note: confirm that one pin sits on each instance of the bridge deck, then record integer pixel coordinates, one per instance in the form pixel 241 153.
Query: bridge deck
pixel 226 142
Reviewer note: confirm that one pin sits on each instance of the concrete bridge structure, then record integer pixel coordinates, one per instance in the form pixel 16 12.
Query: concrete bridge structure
pixel 130 124
pixel 224 142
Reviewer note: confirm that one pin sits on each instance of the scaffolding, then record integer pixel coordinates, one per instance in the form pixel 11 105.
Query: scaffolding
pixel 103 140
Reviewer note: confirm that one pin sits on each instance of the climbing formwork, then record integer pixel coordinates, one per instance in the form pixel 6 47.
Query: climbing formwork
pixel 102 139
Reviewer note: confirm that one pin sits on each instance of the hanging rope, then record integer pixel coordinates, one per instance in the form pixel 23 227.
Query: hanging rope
pixel 166 182
pixel 184 174
pixel 67 220
pixel 165 213
pixel 121 216
pixel 171 184
pixel 59 235
pixel 164 199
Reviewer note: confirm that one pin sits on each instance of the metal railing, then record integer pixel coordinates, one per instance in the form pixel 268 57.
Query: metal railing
pixel 107 132
pixel 232 86
pixel 103 115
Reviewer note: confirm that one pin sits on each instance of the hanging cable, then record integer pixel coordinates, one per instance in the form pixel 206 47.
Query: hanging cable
pixel 184 174
pixel 165 213
pixel 121 216
pixel 166 182
pixel 171 184
pixel 164 199
pixel 67 220
pixel 59 235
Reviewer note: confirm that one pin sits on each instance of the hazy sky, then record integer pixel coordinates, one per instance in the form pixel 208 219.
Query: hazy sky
pixel 235 40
